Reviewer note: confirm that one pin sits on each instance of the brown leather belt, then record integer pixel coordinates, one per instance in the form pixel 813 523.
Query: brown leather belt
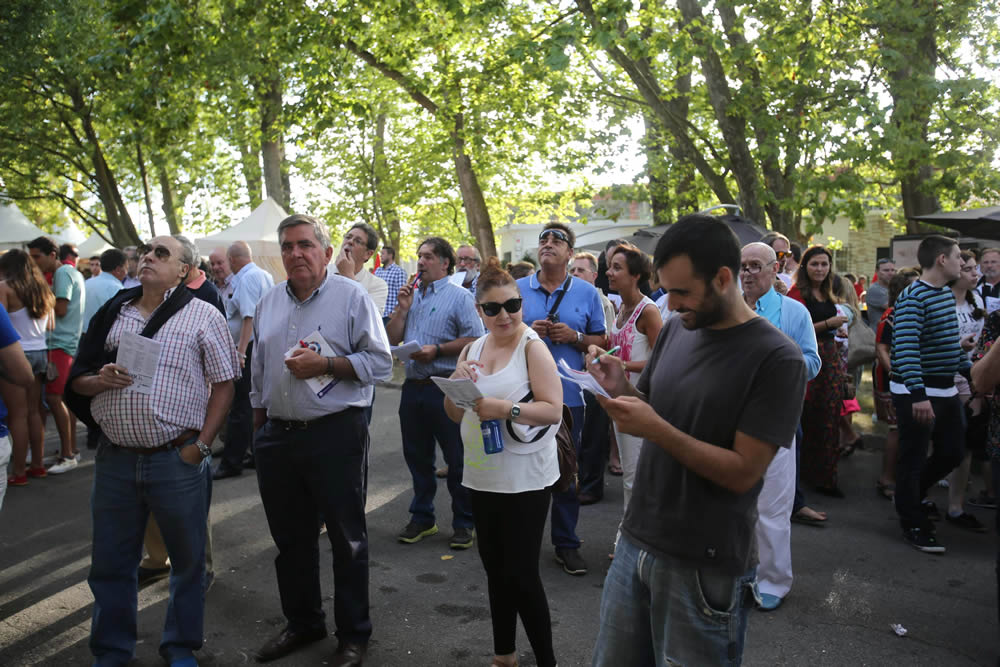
pixel 179 441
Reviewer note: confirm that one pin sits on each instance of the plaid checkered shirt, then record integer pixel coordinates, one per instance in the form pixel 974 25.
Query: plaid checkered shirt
pixel 197 352
pixel 394 278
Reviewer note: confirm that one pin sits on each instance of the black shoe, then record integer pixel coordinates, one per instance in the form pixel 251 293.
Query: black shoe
pixel 983 501
pixel 589 499
pixel 966 521
pixel 224 471
pixel 923 540
pixel 148 575
pixel 572 561
pixel 930 510
pixel 462 538
pixel 288 641
pixel 349 655
pixel 249 462
pixel 414 532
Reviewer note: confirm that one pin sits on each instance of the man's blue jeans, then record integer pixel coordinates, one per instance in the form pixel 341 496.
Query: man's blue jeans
pixel 663 611
pixel 127 487
pixel 566 504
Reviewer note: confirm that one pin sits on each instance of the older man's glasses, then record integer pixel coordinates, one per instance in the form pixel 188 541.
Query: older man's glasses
pixel 753 268
pixel 492 308
pixel 161 252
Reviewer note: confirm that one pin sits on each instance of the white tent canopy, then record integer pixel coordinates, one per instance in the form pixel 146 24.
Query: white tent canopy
pixel 94 245
pixel 15 228
pixel 260 231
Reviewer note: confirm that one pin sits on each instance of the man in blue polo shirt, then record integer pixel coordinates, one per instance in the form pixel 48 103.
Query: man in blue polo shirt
pixel 567 313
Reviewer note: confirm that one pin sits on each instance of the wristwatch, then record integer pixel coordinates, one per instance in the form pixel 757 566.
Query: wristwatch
pixel 205 450
pixel 515 411
pixel 579 337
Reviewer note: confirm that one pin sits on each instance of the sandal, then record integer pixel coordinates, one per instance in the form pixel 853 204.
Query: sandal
pixel 803 517
pixel 615 470
pixel 848 449
pixel 887 491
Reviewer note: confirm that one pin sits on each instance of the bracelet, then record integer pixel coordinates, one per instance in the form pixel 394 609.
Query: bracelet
pixel 437 347
pixel 329 365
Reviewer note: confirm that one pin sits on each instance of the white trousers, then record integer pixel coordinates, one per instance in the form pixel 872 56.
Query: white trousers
pixel 774 525
pixel 628 451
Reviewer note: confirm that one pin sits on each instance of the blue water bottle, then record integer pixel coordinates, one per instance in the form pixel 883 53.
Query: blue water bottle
pixel 492 437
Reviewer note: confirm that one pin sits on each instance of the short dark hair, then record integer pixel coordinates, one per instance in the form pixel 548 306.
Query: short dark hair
pixel 43 244
pixel 884 260
pixel 112 259
pixel 442 249
pixel 796 251
pixel 636 260
pixel 564 229
pixel 389 249
pixel 933 247
pixel 67 249
pixel 370 231
pixel 707 241
pixel 771 237
pixel 93 257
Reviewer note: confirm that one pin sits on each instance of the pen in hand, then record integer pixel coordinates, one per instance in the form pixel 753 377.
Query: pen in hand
pixel 611 351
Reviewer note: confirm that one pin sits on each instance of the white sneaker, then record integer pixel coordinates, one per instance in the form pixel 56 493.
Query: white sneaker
pixel 64 465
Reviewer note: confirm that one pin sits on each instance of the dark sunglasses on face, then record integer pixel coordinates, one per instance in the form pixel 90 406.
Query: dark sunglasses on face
pixel 161 252
pixel 782 254
pixel 492 308
pixel 557 234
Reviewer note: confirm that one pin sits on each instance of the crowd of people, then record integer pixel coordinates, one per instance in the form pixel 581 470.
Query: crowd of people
pixel 287 373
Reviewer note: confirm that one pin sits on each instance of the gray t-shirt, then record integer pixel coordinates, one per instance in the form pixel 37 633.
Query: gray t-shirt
pixel 710 384
pixel 877 300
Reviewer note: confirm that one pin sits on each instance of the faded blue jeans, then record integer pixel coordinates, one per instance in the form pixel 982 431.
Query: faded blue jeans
pixel 662 611
pixel 127 487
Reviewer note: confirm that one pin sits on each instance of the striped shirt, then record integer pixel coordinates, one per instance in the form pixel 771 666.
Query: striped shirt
pixel 197 352
pixel 441 313
pixel 926 352
pixel 395 278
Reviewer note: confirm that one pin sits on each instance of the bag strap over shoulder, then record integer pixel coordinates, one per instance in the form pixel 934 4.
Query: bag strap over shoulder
pixel 559 297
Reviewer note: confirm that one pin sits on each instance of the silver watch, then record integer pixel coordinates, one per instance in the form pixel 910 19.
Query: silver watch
pixel 205 450
pixel 515 411
pixel 579 337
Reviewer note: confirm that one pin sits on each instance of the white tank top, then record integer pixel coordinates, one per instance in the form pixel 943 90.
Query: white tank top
pixel 634 344
pixel 519 467
pixel 31 331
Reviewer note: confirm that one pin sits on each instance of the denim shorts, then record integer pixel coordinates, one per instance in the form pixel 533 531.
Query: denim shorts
pixel 39 360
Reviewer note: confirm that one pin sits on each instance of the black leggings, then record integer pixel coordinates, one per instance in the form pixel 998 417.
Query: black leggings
pixel 509 528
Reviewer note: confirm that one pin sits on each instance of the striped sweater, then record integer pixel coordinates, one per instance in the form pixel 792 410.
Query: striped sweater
pixel 926 352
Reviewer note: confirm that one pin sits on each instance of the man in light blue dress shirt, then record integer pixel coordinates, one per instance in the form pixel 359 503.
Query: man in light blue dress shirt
pixel 775 502
pixel 442 317
pixel 104 285
pixel 320 348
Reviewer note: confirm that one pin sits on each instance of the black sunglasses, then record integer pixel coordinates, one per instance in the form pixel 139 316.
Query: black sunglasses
pixel 161 252
pixel 555 233
pixel 492 308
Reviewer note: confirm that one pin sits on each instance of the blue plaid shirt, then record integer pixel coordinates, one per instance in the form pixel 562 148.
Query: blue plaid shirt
pixel 395 278
pixel 440 314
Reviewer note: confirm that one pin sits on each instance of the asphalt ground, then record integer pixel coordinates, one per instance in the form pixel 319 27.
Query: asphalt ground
pixel 854 578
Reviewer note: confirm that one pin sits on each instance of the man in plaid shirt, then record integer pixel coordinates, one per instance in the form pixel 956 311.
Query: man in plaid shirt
pixel 154 450
pixel 394 277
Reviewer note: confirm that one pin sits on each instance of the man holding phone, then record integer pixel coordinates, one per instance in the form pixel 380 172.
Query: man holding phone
pixel 567 313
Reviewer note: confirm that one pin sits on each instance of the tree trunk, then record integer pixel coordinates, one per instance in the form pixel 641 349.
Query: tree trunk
pixel 167 192
pixel 271 145
pixel 250 161
pixel 389 226
pixel 472 195
pixel 658 172
pixel 144 177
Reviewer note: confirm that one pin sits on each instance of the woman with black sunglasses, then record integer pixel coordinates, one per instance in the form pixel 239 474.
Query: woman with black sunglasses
pixel 510 489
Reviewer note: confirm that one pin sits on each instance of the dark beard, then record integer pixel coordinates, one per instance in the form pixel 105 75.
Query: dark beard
pixel 712 310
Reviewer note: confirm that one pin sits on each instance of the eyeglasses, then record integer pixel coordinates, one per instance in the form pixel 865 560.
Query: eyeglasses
pixel 782 254
pixel 356 240
pixel 468 260
pixel 162 252
pixel 557 234
pixel 492 308
pixel 753 269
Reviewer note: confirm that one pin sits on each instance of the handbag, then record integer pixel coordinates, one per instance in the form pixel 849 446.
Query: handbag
pixel 860 345
pixel 565 447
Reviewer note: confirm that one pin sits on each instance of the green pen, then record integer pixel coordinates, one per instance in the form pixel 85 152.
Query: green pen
pixel 611 351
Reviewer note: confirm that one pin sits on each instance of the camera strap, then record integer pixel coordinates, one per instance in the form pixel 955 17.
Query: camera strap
pixel 559 298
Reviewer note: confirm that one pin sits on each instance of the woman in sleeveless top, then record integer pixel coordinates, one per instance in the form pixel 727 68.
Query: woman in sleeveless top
pixel 634 332
pixel 510 490
pixel 29 301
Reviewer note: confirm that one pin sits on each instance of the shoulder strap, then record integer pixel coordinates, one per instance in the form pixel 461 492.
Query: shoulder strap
pixel 559 297
pixel 180 298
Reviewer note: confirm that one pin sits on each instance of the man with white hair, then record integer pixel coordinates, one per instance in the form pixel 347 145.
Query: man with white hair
pixel 222 276
pixel 758 270
pixel 250 284
pixel 468 261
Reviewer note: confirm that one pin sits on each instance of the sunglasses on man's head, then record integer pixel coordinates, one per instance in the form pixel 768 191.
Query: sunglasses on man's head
pixel 492 308
pixel 161 252
pixel 557 234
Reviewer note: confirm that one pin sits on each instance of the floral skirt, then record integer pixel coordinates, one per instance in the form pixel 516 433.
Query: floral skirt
pixel 821 420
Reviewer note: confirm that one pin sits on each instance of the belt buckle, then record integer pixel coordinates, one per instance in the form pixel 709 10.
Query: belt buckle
pixel 295 425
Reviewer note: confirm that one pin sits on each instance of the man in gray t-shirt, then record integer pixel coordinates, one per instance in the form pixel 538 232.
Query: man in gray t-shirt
pixel 721 393
pixel 878 292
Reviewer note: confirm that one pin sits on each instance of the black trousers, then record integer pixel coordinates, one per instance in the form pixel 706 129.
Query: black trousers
pixel 595 446
pixel 303 475
pixel 239 424
pixel 509 529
